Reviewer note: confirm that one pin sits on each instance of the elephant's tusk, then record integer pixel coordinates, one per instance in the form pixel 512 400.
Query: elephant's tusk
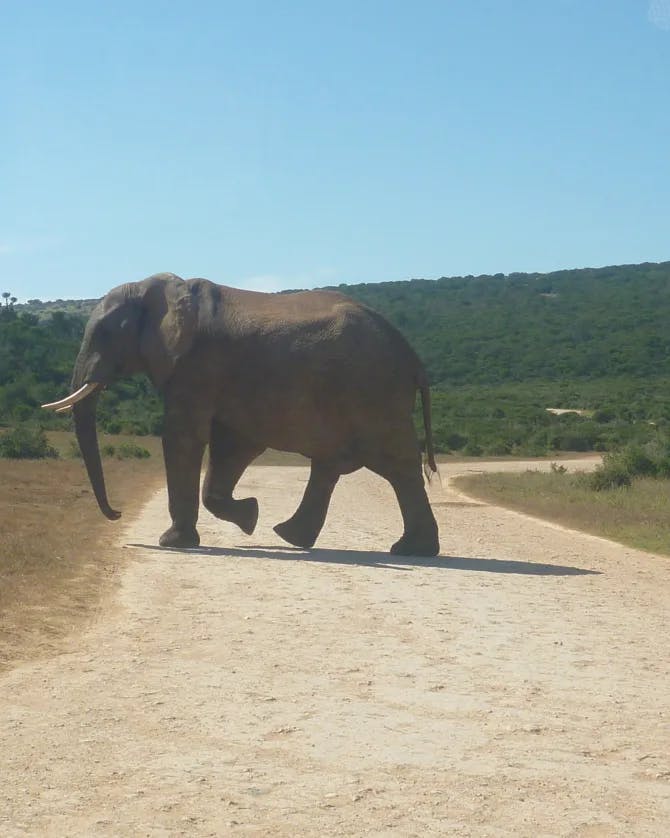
pixel 73 398
pixel 64 409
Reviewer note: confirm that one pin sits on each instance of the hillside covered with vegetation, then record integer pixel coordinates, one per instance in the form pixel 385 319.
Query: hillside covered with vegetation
pixel 582 324
pixel 36 359
pixel 499 351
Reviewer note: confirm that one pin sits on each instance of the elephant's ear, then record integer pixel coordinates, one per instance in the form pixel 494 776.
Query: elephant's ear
pixel 168 324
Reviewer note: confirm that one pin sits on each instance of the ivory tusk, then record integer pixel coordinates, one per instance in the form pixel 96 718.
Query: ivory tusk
pixel 64 409
pixel 73 398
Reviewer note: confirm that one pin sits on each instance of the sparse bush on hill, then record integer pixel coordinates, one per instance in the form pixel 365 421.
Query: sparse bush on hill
pixel 129 451
pixel 26 442
pixel 620 468
pixel 121 451
pixel 610 475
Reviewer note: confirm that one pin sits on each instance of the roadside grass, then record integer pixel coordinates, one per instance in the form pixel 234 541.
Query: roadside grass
pixel 638 516
pixel 64 442
pixel 58 554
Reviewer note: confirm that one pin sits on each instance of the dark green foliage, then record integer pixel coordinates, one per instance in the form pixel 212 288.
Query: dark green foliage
pixel 35 364
pixel 619 468
pixel 611 475
pixel 125 451
pixel 36 361
pixel 131 406
pixel 26 442
pixel 579 324
pixel 513 419
pixel 130 451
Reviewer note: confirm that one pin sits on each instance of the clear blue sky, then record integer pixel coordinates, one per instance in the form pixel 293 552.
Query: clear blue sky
pixel 294 144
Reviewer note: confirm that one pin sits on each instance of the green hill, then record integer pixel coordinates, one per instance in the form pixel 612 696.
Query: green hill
pixel 584 324
pixel 43 310
pixel 499 351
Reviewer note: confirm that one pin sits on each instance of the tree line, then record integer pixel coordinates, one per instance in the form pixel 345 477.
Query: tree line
pixel 499 351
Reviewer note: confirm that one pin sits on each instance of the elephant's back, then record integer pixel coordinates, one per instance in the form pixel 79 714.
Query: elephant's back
pixel 313 371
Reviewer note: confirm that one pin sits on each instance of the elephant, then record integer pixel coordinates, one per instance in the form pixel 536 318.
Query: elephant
pixel 310 372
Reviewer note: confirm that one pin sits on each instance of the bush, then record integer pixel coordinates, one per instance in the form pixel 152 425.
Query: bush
pixel 620 467
pixel 26 443
pixel 658 451
pixel 130 451
pixel 612 475
pixel 472 449
pixel 123 451
pixel 636 461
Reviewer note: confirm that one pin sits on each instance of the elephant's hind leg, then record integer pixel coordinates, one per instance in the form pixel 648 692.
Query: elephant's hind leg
pixel 420 536
pixel 229 456
pixel 303 527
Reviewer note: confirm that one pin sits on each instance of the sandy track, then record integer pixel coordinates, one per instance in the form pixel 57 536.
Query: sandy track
pixel 517 685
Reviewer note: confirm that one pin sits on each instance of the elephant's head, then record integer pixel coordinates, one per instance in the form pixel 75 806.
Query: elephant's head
pixel 139 327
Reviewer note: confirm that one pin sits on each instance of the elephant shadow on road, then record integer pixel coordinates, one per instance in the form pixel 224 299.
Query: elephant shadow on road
pixel 371 558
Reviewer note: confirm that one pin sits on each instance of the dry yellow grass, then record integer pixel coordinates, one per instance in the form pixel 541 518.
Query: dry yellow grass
pixel 638 516
pixel 57 552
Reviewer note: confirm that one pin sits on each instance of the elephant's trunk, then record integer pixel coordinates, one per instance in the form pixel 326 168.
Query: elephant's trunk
pixel 87 437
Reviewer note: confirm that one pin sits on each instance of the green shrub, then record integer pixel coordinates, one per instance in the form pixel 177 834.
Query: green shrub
pixel 612 475
pixel 636 461
pixel 26 442
pixel 130 451
pixel 658 451
pixel 123 451
pixel 472 449
pixel 620 467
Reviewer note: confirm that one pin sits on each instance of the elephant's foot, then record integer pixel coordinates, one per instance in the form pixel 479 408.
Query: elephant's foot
pixel 417 544
pixel 180 537
pixel 296 534
pixel 243 512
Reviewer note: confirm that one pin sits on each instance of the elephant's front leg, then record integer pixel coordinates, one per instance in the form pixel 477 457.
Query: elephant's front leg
pixel 183 450
pixel 303 528
pixel 229 455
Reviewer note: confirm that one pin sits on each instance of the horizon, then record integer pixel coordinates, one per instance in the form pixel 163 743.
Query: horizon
pixel 23 302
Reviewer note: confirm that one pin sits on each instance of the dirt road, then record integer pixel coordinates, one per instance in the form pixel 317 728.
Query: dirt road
pixel 518 684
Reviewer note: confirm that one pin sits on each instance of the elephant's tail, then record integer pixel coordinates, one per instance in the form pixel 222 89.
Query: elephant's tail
pixel 430 466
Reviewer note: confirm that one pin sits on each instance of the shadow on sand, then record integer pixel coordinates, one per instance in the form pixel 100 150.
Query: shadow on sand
pixel 370 558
